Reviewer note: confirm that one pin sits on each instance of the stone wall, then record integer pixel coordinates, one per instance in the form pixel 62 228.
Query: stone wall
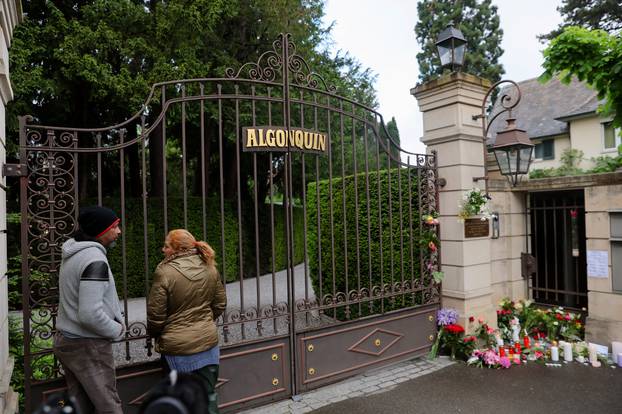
pixel 603 194
pixel 604 322
pixel 10 16
pixel 506 250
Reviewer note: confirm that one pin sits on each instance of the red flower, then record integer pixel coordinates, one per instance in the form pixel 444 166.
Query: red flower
pixel 559 317
pixel 454 328
pixel 573 213
pixel 471 319
pixel 469 339
pixel 432 246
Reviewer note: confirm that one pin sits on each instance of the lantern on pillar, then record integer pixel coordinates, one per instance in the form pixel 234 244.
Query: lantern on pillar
pixel 451 47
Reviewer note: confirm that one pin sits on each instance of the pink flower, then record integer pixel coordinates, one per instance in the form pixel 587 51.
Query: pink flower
pixel 573 213
pixel 505 362
pixel 432 246
pixel 490 357
pixel 489 330
pixel 480 320
pixel 567 317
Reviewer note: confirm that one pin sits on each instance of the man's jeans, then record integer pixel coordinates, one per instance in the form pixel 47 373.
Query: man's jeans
pixel 89 371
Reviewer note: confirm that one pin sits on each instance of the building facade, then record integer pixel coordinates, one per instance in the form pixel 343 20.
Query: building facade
pixel 10 16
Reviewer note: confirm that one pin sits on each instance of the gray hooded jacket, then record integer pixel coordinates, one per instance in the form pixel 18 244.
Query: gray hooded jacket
pixel 88 306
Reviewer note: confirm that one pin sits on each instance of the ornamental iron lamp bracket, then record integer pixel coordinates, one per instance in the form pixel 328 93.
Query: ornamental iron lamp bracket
pixel 512 147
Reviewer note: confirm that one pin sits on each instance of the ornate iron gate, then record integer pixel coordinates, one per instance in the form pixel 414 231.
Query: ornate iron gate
pixel 319 235
pixel 558 244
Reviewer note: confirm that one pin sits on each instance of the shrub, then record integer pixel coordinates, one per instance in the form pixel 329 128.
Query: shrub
pixel 155 236
pixel 377 224
pixel 135 282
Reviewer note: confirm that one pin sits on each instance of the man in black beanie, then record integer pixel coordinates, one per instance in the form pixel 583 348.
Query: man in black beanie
pixel 89 313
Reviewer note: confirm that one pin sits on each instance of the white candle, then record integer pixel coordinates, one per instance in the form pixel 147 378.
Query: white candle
pixel 567 352
pixel 593 353
pixel 499 341
pixel 515 337
pixel 616 348
pixel 554 353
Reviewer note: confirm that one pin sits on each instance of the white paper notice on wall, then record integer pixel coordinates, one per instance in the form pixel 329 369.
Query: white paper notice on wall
pixel 598 263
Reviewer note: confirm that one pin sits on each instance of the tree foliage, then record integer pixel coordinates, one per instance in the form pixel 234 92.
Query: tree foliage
pixel 100 58
pixel 590 14
pixel 594 57
pixel 479 24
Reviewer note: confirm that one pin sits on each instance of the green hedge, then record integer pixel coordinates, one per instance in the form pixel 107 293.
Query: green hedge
pixel 133 235
pixel 383 227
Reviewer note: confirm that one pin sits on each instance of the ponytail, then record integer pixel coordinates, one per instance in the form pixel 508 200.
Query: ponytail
pixel 206 252
pixel 181 240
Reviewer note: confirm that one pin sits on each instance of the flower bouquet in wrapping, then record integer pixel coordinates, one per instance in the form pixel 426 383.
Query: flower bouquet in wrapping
pixel 450 334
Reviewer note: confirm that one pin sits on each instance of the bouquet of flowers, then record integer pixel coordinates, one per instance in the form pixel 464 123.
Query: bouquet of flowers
pixel 484 332
pixel 488 358
pixel 447 319
pixel 474 202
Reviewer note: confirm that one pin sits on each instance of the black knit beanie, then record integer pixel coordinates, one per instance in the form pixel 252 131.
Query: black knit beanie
pixel 95 221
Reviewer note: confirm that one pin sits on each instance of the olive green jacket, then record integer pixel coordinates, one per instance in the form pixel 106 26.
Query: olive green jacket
pixel 186 298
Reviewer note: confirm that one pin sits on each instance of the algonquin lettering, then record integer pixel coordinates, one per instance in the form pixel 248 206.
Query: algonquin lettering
pixel 264 138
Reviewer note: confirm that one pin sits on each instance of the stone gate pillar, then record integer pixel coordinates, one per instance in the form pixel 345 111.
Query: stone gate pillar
pixel 448 105
pixel 11 15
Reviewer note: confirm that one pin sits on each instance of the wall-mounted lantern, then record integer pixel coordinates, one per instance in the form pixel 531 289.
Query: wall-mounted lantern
pixel 513 150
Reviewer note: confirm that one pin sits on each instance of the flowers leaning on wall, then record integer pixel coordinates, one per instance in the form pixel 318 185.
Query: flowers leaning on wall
pixel 474 203
pixel 527 333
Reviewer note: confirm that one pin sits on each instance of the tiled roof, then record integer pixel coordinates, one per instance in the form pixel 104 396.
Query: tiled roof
pixel 542 105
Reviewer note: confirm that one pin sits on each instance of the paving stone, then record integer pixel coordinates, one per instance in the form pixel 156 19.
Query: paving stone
pixel 370 383
pixel 370 389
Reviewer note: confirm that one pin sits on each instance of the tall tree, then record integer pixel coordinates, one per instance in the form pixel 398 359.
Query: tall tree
pixel 479 23
pixel 590 14
pixel 100 58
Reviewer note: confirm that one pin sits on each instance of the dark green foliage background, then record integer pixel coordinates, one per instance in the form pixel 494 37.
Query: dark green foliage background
pixel 134 231
pixel 384 228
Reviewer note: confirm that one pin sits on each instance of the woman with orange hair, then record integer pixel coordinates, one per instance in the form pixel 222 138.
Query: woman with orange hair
pixel 186 298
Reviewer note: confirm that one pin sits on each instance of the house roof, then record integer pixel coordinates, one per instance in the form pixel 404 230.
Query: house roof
pixel 544 108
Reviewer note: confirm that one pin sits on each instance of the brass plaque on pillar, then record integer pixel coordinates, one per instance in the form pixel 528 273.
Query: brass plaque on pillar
pixel 474 227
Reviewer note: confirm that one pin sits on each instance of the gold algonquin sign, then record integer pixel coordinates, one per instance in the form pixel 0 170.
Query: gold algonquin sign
pixel 268 138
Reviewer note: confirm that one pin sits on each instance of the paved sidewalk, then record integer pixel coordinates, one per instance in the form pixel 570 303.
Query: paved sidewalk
pixel 369 383
pixel 534 388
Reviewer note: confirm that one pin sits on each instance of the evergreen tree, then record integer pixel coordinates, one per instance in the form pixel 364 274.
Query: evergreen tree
pixel 479 23
pixel 98 59
pixel 590 14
